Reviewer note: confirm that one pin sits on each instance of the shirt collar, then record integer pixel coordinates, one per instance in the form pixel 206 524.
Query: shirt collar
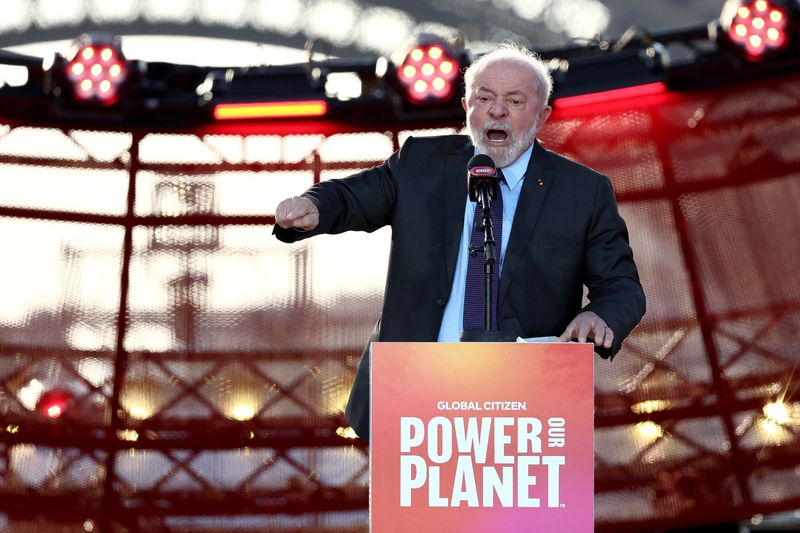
pixel 514 172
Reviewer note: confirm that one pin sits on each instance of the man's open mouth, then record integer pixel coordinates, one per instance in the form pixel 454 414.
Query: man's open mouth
pixel 496 136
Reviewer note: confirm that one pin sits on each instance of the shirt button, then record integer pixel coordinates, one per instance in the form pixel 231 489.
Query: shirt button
pixel 440 302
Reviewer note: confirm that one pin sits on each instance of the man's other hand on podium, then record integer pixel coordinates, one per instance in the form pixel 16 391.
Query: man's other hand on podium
pixel 588 325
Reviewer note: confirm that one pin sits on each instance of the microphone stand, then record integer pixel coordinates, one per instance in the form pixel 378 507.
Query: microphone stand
pixel 490 254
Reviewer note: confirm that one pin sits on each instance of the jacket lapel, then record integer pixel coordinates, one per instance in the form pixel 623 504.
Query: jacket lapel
pixel 455 199
pixel 539 178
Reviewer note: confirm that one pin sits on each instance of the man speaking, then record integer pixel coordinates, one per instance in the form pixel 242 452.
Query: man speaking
pixel 555 223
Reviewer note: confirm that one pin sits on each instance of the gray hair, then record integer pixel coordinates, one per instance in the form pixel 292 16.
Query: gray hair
pixel 508 51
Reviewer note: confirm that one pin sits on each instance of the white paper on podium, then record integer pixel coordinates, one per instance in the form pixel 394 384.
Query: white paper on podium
pixel 538 339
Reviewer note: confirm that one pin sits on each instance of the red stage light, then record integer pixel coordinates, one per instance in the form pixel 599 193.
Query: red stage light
pixel 54 403
pixel 759 28
pixel 97 70
pixel 428 73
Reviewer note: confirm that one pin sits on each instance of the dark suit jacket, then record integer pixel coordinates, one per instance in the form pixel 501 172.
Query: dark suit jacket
pixel 567 232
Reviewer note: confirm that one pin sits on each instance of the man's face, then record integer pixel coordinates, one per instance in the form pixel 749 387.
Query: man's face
pixel 504 110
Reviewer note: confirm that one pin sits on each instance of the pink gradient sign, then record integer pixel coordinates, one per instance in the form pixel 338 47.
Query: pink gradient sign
pixel 480 437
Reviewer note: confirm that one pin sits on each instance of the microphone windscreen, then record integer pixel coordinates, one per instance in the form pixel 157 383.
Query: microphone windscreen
pixel 481 161
pixel 481 172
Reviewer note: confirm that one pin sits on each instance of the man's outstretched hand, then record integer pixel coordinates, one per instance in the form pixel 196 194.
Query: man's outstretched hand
pixel 588 325
pixel 297 212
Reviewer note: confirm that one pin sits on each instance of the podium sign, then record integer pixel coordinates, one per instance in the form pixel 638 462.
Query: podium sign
pixel 477 437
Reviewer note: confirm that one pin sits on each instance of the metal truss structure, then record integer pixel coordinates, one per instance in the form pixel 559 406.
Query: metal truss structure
pixel 202 367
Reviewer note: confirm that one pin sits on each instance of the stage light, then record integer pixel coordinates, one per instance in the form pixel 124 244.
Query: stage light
pixel 29 394
pixel 772 432
pixel 346 432
pixel 141 398
pixel 758 29
pixel 238 394
pixel 242 411
pixel 265 110
pixel 128 435
pixel 428 73
pixel 96 69
pixel 54 403
pixel 650 406
pixel 648 432
pixel 777 412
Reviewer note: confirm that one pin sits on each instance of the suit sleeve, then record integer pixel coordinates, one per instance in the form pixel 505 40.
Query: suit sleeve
pixel 615 292
pixel 361 202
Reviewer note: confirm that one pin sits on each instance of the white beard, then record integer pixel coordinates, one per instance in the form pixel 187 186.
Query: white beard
pixel 501 155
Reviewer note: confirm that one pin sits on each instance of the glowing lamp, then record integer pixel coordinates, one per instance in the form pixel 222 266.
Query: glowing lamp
pixel 777 412
pixel 428 73
pixel 346 432
pixel 758 29
pixel 54 403
pixel 648 432
pixel 97 69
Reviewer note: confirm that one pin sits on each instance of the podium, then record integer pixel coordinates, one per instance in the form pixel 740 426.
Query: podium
pixel 482 437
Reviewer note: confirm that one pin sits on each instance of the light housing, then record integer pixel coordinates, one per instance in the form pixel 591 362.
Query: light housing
pixel 429 71
pixel 758 29
pixel 97 69
pixel 94 71
pixel 54 403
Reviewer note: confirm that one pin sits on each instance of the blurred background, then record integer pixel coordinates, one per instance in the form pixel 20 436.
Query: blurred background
pixel 342 27
pixel 167 365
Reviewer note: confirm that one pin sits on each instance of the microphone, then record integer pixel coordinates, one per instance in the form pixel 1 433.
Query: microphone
pixel 483 188
pixel 482 180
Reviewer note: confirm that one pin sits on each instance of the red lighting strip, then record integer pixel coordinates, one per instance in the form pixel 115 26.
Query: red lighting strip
pixel 636 91
pixel 307 108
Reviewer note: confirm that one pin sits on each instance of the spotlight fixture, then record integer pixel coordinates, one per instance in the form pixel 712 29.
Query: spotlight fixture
pixel 777 412
pixel 94 72
pixel 429 72
pixel 758 29
pixel 54 403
